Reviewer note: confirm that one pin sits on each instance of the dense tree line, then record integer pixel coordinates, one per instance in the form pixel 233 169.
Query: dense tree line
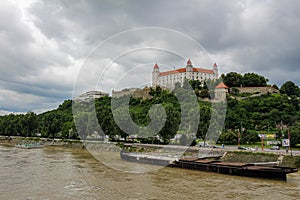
pixel 139 113
pixel 234 79
pixel 23 125
pixel 290 88
pixel 272 113
pixel 56 123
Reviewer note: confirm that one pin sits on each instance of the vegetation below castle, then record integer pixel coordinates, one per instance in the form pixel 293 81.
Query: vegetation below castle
pixel 247 117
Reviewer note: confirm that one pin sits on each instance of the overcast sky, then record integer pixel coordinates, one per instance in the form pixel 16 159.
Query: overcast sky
pixel 46 45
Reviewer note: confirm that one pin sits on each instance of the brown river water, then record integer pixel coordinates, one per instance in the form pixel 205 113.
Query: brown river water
pixel 70 173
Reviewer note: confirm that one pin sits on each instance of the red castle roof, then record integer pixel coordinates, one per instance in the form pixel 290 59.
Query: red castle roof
pixel 221 86
pixel 207 71
pixel 182 70
pixel 155 66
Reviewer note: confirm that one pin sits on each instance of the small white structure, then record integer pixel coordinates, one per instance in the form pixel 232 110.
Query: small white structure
pixel 220 91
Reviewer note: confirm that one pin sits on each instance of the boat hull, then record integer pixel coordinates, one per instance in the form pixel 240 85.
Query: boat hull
pixel 239 169
pixel 152 160
pixel 231 168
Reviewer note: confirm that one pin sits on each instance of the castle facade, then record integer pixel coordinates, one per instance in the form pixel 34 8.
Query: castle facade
pixel 169 78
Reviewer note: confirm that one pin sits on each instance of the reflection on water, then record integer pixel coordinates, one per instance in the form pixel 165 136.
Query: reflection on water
pixel 61 173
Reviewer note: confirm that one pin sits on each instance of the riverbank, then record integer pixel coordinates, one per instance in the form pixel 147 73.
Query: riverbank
pixel 13 140
pixel 226 154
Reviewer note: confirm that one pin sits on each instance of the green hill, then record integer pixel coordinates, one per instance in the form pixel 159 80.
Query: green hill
pixel 268 113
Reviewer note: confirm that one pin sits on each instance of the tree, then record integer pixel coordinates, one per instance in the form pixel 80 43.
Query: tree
pixel 204 94
pixel 295 134
pixel 30 124
pixel 196 84
pixel 275 86
pixel 228 137
pixel 253 80
pixel 205 115
pixel 249 137
pixel 234 90
pixel 172 123
pixel 289 88
pixel 69 130
pixel 233 79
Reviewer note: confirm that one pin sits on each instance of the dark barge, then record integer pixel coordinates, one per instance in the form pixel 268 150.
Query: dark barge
pixel 236 168
pixel 231 168
pixel 147 159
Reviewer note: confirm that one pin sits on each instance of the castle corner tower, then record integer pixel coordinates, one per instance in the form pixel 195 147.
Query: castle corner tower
pixel 189 69
pixel 215 69
pixel 155 74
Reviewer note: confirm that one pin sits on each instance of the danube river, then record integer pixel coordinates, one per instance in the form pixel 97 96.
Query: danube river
pixel 70 173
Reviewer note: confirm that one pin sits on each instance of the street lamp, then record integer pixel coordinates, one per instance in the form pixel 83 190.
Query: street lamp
pixel 289 137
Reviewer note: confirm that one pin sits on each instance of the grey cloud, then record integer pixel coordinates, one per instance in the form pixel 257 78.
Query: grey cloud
pixel 37 53
pixel 11 26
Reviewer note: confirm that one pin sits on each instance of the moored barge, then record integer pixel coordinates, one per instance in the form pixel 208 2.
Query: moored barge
pixel 202 164
pixel 235 168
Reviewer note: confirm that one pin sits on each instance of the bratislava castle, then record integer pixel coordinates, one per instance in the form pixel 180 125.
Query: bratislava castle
pixel 169 78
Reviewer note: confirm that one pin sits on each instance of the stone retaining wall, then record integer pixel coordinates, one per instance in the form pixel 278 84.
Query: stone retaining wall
pixel 257 90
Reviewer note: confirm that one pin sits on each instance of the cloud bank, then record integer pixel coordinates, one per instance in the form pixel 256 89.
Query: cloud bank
pixel 45 43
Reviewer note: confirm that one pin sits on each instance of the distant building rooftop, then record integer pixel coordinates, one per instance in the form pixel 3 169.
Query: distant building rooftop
pixel 91 95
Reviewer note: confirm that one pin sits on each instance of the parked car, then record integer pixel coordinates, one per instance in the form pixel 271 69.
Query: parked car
pixel 275 148
pixel 207 145
pixel 242 148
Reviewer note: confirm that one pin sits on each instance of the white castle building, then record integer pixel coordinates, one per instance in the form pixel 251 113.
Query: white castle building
pixel 169 78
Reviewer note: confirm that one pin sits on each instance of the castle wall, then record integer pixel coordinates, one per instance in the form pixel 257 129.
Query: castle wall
pixel 261 90
pixel 134 92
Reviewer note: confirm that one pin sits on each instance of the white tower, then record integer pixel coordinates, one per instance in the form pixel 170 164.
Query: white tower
pixel 155 74
pixel 189 69
pixel 216 71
